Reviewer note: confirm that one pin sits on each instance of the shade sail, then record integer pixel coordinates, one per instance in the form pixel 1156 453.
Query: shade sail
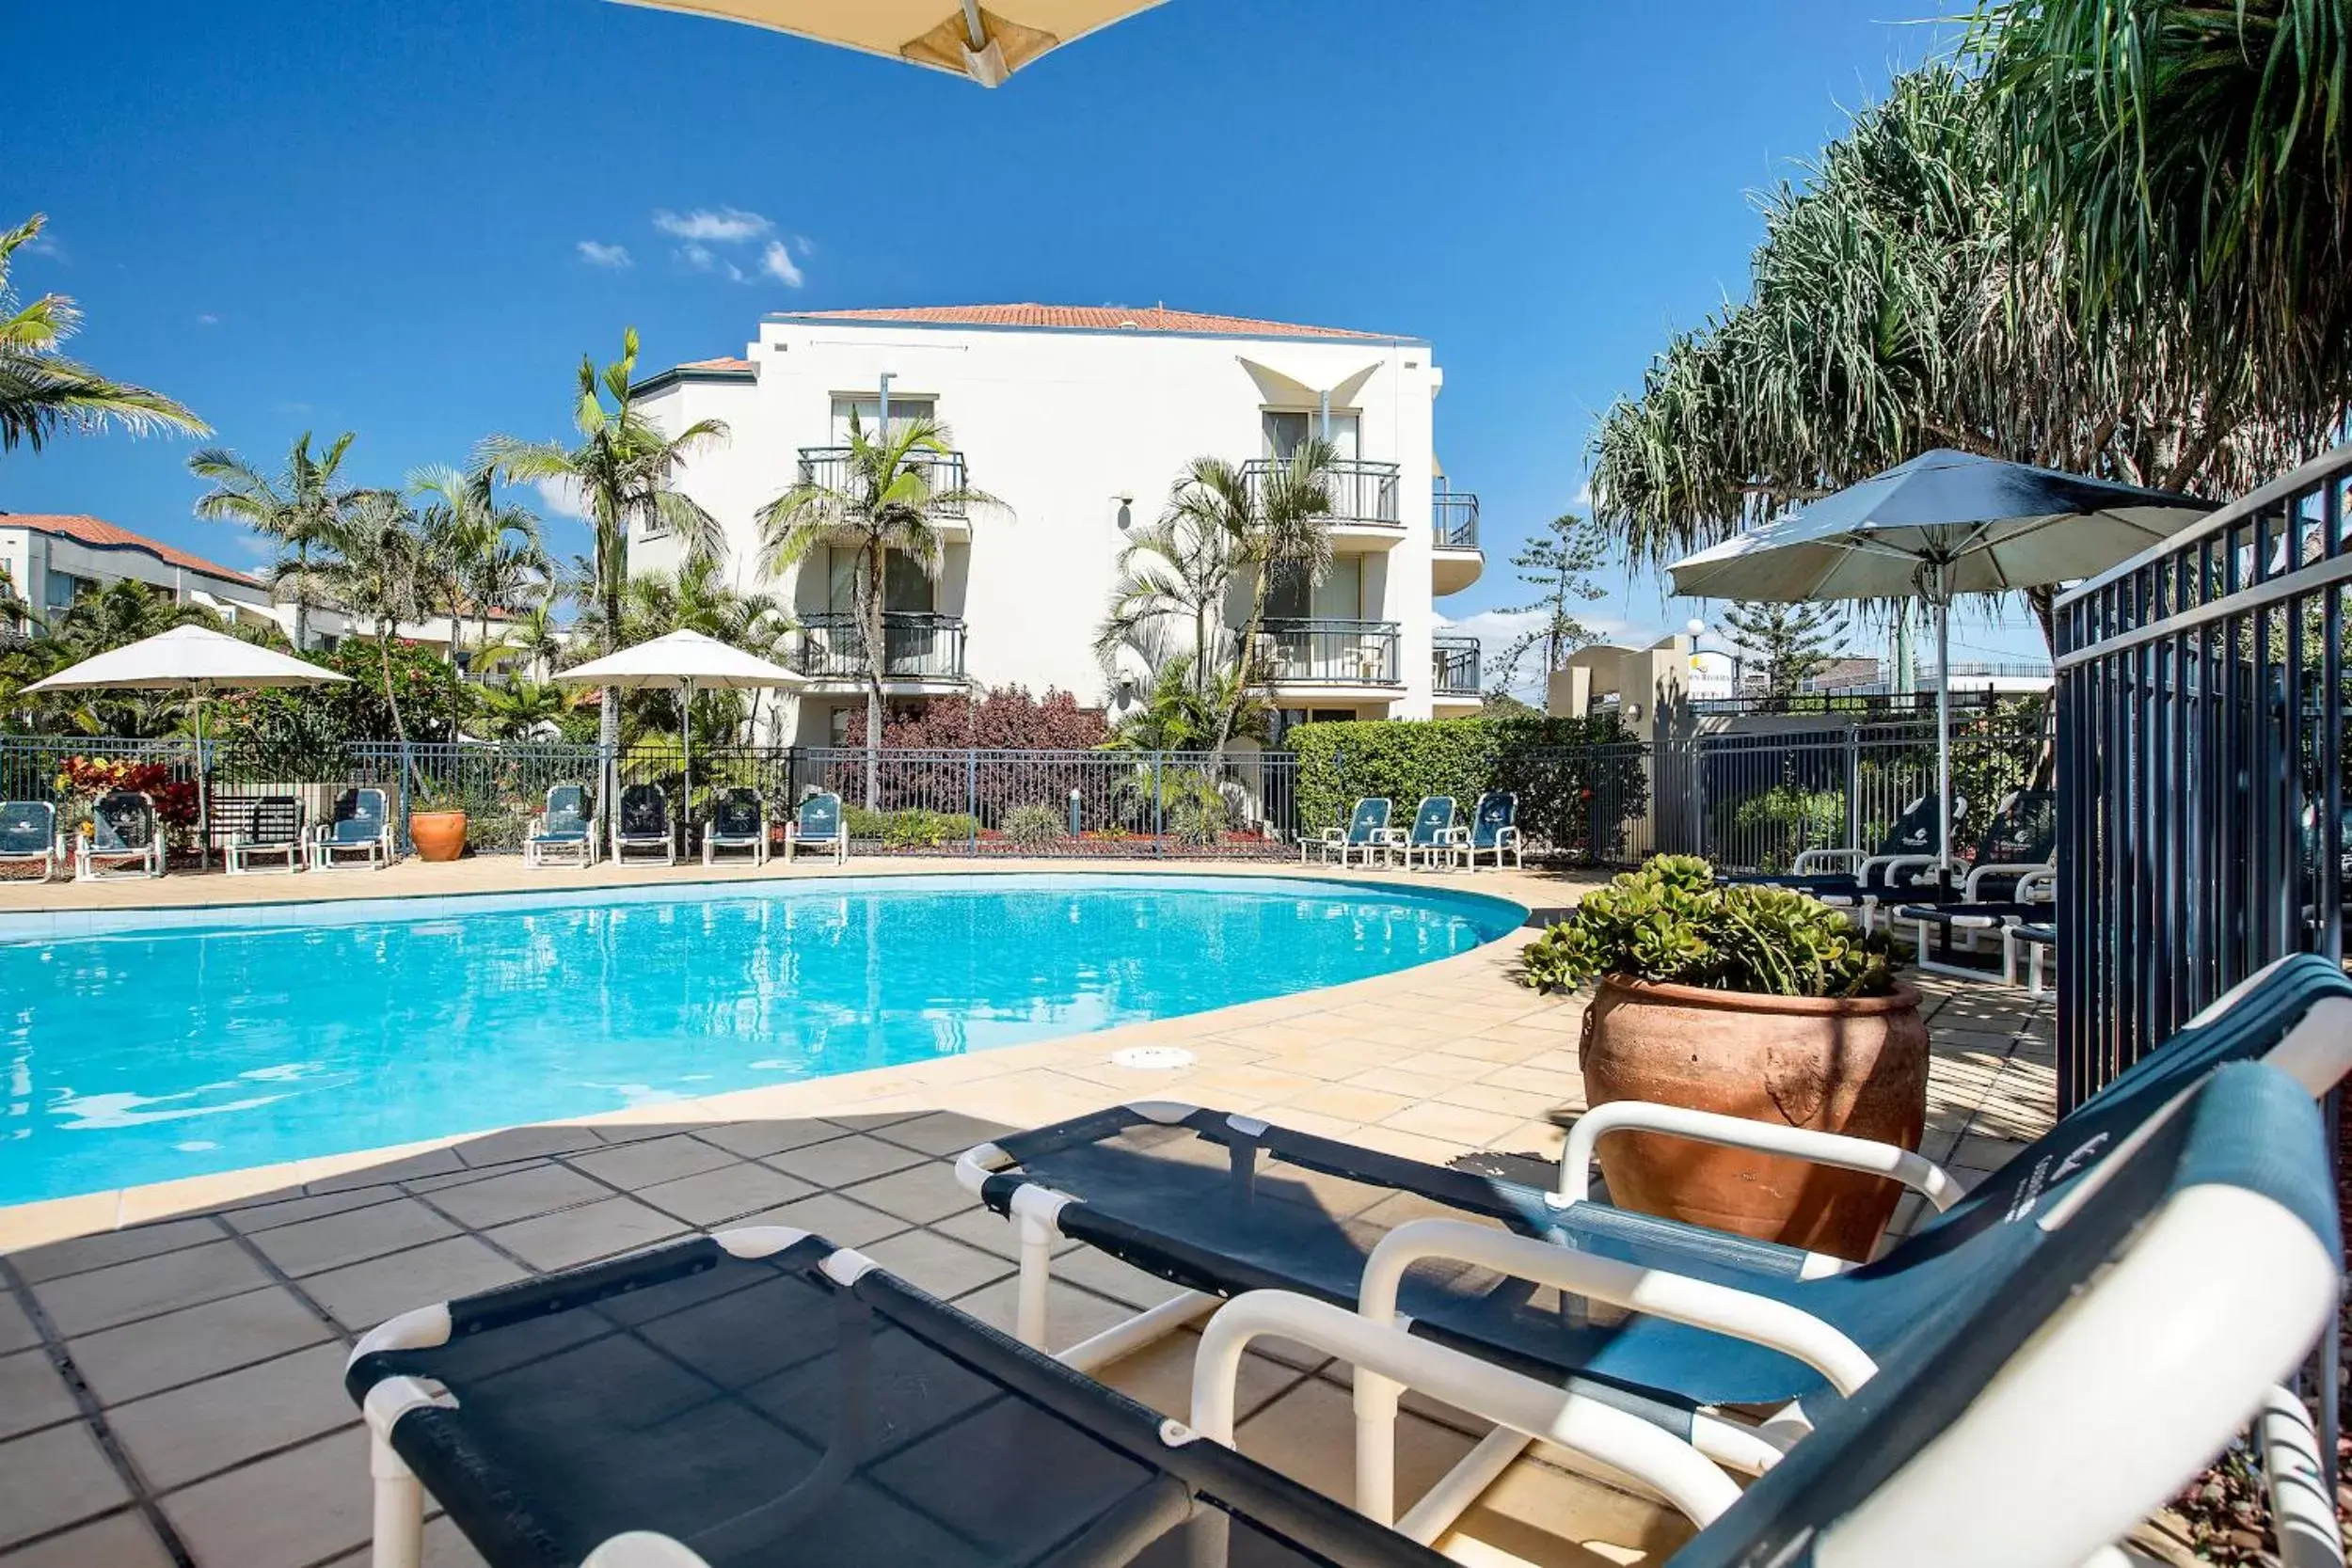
pixel 680 658
pixel 967 40
pixel 1989 525
pixel 187 658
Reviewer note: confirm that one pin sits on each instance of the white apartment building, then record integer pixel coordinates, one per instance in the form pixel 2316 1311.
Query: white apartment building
pixel 1079 419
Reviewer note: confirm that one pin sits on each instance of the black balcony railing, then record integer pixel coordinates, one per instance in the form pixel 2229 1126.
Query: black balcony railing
pixel 829 467
pixel 916 646
pixel 1455 661
pixel 1361 492
pixel 1327 653
pixel 1453 514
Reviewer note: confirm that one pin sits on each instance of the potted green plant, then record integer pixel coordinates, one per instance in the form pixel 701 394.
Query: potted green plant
pixel 436 819
pixel 1752 1002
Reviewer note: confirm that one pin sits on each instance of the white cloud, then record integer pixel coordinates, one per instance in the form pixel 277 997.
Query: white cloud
pixel 776 261
pixel 207 319
pixel 1585 494
pixel 719 225
pixel 253 544
pixel 805 245
pixel 598 254
pixel 562 496
pixel 1497 630
pixel 699 257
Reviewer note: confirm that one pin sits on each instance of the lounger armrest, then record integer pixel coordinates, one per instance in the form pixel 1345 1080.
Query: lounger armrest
pixel 1897 870
pixel 1659 1292
pixel 1921 1175
pixel 1387 1357
pixel 1814 863
pixel 2026 872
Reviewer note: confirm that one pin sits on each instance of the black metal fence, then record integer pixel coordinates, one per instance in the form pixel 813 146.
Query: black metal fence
pixel 829 467
pixel 916 646
pixel 2202 707
pixel 1329 652
pixel 1453 519
pixel 1361 492
pixel 1454 666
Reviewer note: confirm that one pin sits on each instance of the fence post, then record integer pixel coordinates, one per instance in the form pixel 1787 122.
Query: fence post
pixel 402 789
pixel 1159 811
pixel 972 799
pixel 1854 784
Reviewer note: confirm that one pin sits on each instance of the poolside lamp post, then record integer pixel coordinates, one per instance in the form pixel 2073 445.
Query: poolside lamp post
pixel 1943 524
pixel 201 663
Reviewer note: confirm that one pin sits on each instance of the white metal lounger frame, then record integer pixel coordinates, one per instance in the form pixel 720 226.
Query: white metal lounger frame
pixel 1401 848
pixel 2034 884
pixel 2036 952
pixel 714 841
pixel 147 860
pixel 239 850
pixel 2316 1053
pixel 1336 842
pixel 539 849
pixel 51 857
pixel 325 846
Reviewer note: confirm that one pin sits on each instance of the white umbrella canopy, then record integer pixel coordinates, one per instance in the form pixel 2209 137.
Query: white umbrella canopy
pixel 199 661
pixel 958 37
pixel 1943 524
pixel 686 661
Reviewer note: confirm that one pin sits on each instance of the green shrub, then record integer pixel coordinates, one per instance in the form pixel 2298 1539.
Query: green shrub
pixel 1580 780
pixel 1781 821
pixel 911 828
pixel 1670 922
pixel 1035 827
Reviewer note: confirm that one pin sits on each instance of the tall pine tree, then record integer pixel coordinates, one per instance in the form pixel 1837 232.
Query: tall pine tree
pixel 1790 642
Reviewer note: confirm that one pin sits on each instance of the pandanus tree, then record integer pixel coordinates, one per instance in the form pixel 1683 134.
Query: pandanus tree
pixel 42 391
pixel 884 503
pixel 301 508
pixel 625 470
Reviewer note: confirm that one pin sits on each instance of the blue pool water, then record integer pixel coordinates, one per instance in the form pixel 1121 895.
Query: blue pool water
pixel 162 1045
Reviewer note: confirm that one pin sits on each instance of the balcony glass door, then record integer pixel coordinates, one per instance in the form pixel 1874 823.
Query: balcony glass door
pixel 905 586
pixel 1286 431
pixel 903 412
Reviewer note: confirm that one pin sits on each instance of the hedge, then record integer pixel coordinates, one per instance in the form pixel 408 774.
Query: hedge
pixel 1580 780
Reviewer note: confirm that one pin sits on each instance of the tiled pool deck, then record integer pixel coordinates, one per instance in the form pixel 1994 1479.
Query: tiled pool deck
pixel 170 1357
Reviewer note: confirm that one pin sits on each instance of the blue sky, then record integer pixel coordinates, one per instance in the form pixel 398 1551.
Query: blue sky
pixel 408 220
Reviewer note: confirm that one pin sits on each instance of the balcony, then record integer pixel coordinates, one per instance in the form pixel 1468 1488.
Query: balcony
pixel 922 653
pixel 829 467
pixel 1454 673
pixel 1456 560
pixel 1328 660
pixel 1363 499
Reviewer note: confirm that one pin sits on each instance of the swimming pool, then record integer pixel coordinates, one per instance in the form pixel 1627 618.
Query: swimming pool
pixel 147 1045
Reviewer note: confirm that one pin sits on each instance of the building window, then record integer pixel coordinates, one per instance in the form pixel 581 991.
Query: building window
pixel 1286 430
pixel 906 586
pixel 903 413
pixel 1340 596
pixel 62 590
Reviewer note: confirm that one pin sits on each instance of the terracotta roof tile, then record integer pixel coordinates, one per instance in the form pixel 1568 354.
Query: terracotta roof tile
pixel 1098 318
pixel 106 535
pixel 718 364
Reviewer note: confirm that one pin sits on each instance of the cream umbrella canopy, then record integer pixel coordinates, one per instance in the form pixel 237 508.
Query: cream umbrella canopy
pixel 684 662
pixel 960 36
pixel 200 662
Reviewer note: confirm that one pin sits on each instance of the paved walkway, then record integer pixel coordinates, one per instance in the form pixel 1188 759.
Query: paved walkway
pixel 170 1357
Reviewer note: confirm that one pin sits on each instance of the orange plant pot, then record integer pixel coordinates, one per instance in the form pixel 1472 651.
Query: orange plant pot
pixel 439 835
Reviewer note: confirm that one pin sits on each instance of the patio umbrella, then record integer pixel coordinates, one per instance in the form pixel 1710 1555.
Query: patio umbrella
pixel 956 36
pixel 1943 523
pixel 686 661
pixel 199 661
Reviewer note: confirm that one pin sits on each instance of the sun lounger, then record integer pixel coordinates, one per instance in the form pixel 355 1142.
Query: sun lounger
pixel 1848 879
pixel 1430 836
pixel 272 829
pixel 125 839
pixel 738 820
pixel 362 824
pixel 1493 829
pixel 642 825
pixel 2018 844
pixel 28 836
pixel 1935 926
pixel 1224 1204
pixel 2036 940
pixel 1365 836
pixel 565 833
pixel 817 827
pixel 760 1397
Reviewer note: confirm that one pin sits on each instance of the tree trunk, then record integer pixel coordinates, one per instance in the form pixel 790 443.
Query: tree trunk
pixel 302 597
pixel 384 651
pixel 1241 669
pixel 877 665
pixel 453 676
pixel 609 710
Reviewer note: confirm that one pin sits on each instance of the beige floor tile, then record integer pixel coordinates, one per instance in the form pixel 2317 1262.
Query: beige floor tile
pixel 642 1165
pixel 834 1217
pixel 53 1477
pixel 195 1343
pixel 1106 1275
pixel 272 1210
pixel 515 1195
pixel 1446 1066
pixel 115 1246
pixel 1535 1080
pixel 16 1330
pixel 290 1510
pixel 1453 1123
pixel 194 1430
pixel 80 1303
pixel 1160 1375
pixel 716 1196
pixel 1071 1314
pixel 1410 1145
pixel 753 1139
pixel 991 1232
pixel 1549 1518
pixel 365 1294
pixel 32 1394
pixel 920 1192
pixel 1346 1101
pixel 947 1269
pixel 316 1245
pixel 1544 1140
pixel 1524 1104
pixel 123 1540
pixel 444 1547
pixel 1396 1081
pixel 944 1132
pixel 845 1161
pixel 526 1143
pixel 370 1171
pixel 1307 1434
pixel 570 1236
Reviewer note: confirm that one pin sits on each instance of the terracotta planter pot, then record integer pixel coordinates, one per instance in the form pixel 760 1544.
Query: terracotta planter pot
pixel 1856 1067
pixel 439 835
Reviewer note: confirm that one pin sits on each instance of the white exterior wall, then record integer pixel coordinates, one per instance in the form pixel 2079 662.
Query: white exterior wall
pixel 1060 424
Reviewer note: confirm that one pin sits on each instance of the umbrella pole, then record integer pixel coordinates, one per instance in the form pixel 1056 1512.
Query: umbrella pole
pixel 1944 732
pixel 686 789
pixel 203 791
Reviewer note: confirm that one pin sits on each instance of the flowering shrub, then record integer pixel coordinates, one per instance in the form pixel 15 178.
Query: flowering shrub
pixel 83 779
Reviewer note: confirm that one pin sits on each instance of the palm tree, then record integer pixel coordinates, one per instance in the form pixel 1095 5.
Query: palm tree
pixel 626 471
pixel 1177 570
pixel 886 505
pixel 123 613
pixel 514 710
pixel 475 555
pixel 376 578
pixel 302 508
pixel 42 391
pixel 534 638
pixel 1279 525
